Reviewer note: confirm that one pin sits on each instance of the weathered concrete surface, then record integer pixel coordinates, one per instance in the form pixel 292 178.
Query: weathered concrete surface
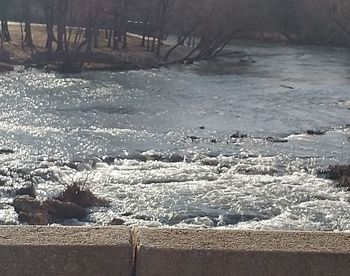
pixel 166 252
pixel 200 252
pixel 65 251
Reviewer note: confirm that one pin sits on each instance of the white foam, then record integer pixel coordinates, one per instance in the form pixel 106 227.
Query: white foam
pixel 156 193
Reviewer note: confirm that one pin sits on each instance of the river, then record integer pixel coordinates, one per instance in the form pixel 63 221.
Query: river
pixel 213 144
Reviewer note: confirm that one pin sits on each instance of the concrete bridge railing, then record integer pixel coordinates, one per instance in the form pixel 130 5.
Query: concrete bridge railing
pixel 160 251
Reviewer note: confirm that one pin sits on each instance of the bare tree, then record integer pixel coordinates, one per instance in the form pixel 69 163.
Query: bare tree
pixel 27 9
pixel 164 9
pixel 49 7
pixel 61 16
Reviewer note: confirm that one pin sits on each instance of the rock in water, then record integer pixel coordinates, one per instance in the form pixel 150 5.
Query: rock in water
pixel 117 221
pixel 27 190
pixel 176 158
pixel 340 174
pixel 239 135
pixel 108 160
pixel 71 204
pixel 59 210
pixel 25 204
pixel 276 140
pixel 193 138
pixel 34 212
pixel 30 211
pixel 315 132
pixel 6 151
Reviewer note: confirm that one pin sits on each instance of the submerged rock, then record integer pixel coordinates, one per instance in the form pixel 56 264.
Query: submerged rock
pixel 193 138
pixel 276 140
pixel 72 165
pixel 108 160
pixel 3 180
pixel 175 158
pixel 316 132
pixel 288 87
pixel 46 175
pixel 4 172
pixel 6 151
pixel 162 157
pixel 78 166
pixel 239 135
pixel 127 214
pixel 117 221
pixel 340 174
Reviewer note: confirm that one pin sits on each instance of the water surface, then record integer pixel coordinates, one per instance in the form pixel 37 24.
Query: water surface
pixel 171 132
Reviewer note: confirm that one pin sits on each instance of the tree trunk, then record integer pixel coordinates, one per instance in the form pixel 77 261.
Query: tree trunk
pixel 48 8
pixel 110 36
pixel 50 36
pixel 115 40
pixel 5 31
pixel 143 40
pixel 116 33
pixel 181 42
pixel 96 33
pixel 124 23
pixel 89 36
pixel 61 29
pixel 62 7
pixel 153 44
pixel 163 9
pixel 22 35
pixel 28 39
pixel 148 43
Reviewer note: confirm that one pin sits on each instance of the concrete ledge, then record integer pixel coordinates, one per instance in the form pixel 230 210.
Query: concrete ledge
pixel 168 252
pixel 207 252
pixel 65 251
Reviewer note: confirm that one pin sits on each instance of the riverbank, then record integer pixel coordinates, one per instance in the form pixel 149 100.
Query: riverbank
pixel 102 57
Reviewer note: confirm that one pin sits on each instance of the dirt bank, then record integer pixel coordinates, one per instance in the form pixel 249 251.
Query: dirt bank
pixel 102 57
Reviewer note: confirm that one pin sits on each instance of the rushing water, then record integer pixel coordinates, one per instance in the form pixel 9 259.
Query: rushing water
pixel 170 131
